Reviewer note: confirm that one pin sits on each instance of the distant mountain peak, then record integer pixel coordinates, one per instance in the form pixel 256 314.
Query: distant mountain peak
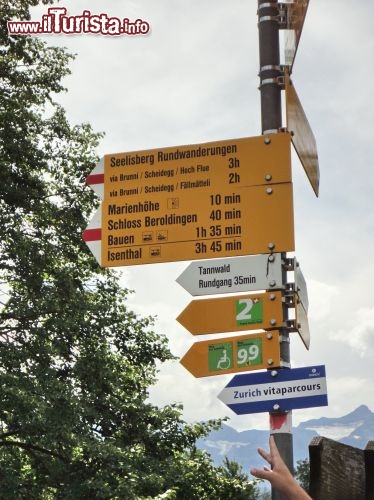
pixel 361 411
pixel 355 428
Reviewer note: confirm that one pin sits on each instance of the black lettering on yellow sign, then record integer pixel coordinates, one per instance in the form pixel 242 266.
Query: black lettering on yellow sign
pixel 129 208
pixel 171 219
pixel 120 240
pixel 114 225
pixel 124 255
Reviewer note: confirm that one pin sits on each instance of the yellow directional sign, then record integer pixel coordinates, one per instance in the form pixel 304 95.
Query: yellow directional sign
pixel 302 135
pixel 233 354
pixel 194 168
pixel 233 313
pixel 174 226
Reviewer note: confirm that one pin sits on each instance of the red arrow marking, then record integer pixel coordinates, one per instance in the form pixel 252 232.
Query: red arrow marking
pixel 91 234
pixel 95 179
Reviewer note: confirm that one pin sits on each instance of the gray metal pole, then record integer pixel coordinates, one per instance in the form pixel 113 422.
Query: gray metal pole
pixel 268 29
pixel 271 122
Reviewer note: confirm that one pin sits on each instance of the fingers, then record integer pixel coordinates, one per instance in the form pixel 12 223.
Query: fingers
pixel 273 447
pixel 265 455
pixel 264 473
pixel 274 453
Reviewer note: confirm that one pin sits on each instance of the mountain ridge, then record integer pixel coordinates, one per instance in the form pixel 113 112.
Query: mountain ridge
pixel 355 428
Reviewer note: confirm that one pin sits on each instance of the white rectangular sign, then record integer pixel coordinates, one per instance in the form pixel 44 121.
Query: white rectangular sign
pixel 276 390
pixel 300 287
pixel 232 275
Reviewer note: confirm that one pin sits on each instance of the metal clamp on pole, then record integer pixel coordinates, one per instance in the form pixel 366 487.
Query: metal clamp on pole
pixel 289 264
pixel 284 364
pixel 280 16
pixel 276 80
pixel 290 325
pixel 284 15
pixel 278 77
pixel 289 300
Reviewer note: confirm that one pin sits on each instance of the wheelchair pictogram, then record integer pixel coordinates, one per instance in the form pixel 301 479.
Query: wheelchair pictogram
pixel 224 362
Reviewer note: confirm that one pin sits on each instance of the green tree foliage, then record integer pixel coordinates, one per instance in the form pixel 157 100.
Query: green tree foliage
pixel 302 473
pixel 75 362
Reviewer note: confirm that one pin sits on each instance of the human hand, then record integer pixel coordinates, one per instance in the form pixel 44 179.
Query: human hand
pixel 279 475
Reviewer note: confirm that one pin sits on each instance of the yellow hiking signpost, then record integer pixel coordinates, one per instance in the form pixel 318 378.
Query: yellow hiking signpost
pixel 233 313
pixel 233 354
pixel 169 227
pixel 218 199
pixel 248 161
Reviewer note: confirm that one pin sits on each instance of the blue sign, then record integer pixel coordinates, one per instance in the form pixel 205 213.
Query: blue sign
pixel 282 389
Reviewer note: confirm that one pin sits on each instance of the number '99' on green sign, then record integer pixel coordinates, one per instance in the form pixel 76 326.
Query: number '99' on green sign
pixel 249 352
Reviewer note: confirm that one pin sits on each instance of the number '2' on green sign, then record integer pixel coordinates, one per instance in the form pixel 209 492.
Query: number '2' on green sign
pixel 248 311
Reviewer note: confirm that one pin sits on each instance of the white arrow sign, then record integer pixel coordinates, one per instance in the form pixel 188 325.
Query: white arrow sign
pixel 232 275
pixel 276 390
pixel 92 235
pixel 302 324
pixel 96 179
pixel 301 305
pixel 300 287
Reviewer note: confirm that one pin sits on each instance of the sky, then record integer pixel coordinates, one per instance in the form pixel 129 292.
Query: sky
pixel 194 78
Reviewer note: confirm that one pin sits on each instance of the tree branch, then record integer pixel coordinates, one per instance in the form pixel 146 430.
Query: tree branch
pixel 31 447
pixel 7 434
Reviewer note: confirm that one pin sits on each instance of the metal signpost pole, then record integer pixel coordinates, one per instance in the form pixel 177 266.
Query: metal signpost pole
pixel 271 122
pixel 268 28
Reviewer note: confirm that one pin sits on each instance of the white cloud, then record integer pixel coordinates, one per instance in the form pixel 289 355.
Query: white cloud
pixel 321 299
pixel 359 332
